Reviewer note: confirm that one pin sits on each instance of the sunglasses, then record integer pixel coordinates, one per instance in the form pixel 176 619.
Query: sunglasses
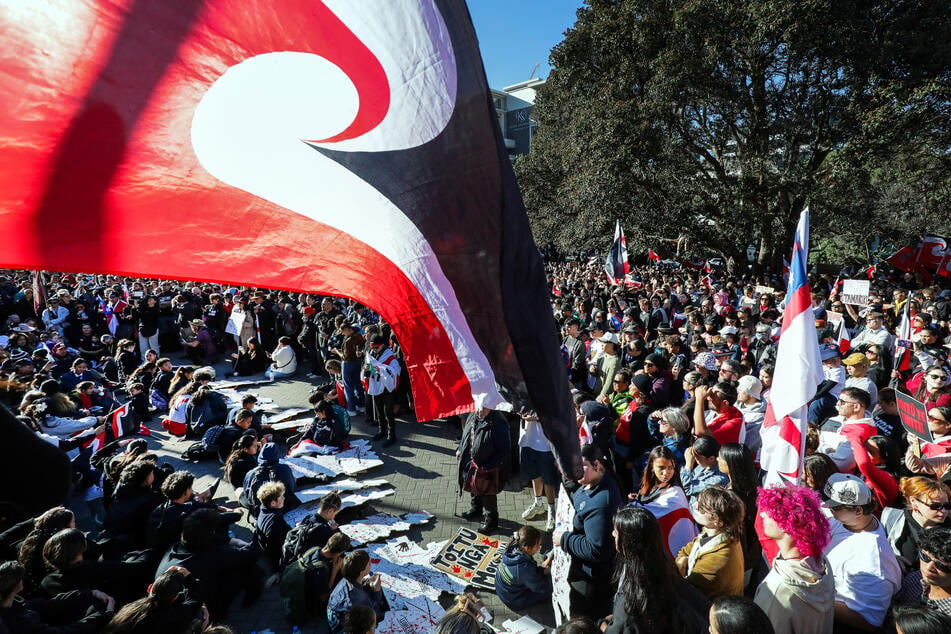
pixel 928 559
pixel 935 506
pixel 844 402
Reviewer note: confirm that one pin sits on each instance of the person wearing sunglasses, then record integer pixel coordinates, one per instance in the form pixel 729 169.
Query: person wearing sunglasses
pixel 926 508
pixel 932 458
pixel 934 558
pixel 931 387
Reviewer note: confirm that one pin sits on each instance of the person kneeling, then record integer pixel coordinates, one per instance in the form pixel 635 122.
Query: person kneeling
pixel 519 581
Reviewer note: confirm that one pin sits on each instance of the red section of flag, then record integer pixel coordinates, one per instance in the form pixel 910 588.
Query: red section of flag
pixel 904 259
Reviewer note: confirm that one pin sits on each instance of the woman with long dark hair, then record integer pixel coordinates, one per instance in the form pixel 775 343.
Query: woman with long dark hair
pixel 651 595
pixel 736 462
pixel 661 493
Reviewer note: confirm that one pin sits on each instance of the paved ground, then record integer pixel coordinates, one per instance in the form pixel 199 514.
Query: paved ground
pixel 421 466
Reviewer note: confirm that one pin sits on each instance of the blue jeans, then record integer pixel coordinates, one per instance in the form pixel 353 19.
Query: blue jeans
pixel 352 388
pixel 271 373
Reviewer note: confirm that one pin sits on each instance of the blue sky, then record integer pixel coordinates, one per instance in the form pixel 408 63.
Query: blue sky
pixel 514 34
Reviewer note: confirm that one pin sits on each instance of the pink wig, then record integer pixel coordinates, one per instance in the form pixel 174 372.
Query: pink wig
pixel 798 512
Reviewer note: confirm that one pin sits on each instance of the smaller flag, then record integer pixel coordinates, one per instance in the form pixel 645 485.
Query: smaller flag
pixel 616 264
pixel 39 292
pixel 871 271
pixel 706 267
pixel 905 258
pixel 652 257
pixel 902 346
pixel 630 282
pixel 843 339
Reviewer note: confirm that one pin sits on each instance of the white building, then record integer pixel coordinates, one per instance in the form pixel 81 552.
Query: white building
pixel 513 106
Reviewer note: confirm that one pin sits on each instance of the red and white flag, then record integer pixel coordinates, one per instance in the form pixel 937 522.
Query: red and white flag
pixel 798 370
pixel 330 146
pixel 903 345
pixel 652 256
pixel 672 511
pixel 844 339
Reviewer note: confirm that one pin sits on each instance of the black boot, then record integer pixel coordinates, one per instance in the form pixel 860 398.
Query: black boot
pixel 472 514
pixel 390 441
pixel 490 524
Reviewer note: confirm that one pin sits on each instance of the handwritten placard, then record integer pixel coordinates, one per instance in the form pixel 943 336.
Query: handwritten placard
pixel 855 292
pixel 914 416
pixel 472 557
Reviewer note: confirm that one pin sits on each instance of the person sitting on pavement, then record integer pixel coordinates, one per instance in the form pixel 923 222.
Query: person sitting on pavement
pixel 519 581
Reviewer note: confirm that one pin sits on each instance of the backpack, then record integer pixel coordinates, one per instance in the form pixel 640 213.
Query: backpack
pixel 211 436
pixel 297 582
pixel 343 420
pixel 259 475
pixel 308 534
pixel 196 452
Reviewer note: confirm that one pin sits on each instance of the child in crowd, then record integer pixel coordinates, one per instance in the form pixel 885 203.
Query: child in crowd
pixel 701 470
pixel 713 562
pixel 519 581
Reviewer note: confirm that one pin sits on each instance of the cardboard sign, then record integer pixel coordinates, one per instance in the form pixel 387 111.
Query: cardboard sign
pixel 855 292
pixel 764 290
pixel 472 557
pixel 914 416
pixel 561 561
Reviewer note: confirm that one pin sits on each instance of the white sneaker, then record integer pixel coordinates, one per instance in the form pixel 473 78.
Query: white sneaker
pixel 537 508
pixel 550 524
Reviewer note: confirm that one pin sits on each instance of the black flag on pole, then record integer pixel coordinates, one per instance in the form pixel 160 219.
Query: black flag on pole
pixel 616 264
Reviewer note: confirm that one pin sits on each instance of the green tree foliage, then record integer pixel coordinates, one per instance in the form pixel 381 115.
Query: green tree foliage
pixel 720 120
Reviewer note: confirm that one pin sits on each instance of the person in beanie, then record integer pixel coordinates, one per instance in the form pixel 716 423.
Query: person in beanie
pixel 482 449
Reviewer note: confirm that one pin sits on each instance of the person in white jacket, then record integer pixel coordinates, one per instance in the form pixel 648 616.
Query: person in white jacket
pixel 382 370
pixel 283 360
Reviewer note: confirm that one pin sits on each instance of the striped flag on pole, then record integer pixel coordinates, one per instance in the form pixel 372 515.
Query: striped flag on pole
pixel 902 352
pixel 798 368
pixel 616 264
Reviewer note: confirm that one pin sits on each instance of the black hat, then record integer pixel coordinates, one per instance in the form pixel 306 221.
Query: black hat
pixel 643 383
pixel 378 340
pixel 50 387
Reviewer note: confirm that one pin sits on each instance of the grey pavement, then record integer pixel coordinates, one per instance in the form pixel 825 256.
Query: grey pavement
pixel 422 468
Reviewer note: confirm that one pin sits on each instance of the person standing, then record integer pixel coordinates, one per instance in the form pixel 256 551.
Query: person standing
pixel 589 541
pixel 382 370
pixel 483 448
pixel 350 352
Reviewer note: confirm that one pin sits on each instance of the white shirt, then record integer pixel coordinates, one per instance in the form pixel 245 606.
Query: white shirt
pixel 533 437
pixel 837 446
pixel 864 383
pixel 835 374
pixel 866 570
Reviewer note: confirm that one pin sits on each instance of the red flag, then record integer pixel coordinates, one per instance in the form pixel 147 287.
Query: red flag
pixel 295 144
pixel 931 254
pixel 706 267
pixel 904 259
pixel 945 269
pixel 872 270
pixel 652 257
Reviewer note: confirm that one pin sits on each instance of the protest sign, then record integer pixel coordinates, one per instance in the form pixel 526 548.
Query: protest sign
pixel 472 557
pixel 914 416
pixel 561 561
pixel 855 292
pixel 764 290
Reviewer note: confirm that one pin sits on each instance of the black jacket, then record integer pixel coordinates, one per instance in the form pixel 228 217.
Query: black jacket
pixel 67 613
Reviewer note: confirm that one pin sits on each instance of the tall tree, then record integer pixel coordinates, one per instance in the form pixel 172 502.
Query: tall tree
pixel 720 120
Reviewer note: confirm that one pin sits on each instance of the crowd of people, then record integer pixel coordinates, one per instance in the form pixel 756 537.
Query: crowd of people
pixel 673 529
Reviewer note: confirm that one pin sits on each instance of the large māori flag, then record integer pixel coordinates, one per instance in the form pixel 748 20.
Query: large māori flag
pixel 332 146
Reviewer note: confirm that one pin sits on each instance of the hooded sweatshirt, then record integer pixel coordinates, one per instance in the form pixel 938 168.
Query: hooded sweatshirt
pixel 796 599
pixel 519 581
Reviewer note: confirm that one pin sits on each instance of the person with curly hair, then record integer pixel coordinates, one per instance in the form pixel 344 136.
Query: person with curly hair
pixel 798 594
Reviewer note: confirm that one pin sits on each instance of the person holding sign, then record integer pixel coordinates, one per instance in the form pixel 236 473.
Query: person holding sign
pixel 932 457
